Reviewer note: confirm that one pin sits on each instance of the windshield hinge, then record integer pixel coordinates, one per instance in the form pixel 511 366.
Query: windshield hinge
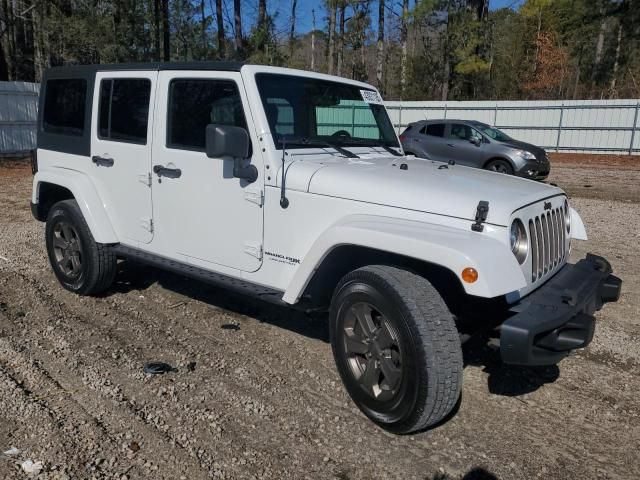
pixel 254 196
pixel 482 210
pixel 254 249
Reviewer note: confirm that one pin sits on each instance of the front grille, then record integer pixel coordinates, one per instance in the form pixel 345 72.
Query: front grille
pixel 547 234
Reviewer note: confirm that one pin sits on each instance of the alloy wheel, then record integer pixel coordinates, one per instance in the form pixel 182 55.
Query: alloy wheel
pixel 373 351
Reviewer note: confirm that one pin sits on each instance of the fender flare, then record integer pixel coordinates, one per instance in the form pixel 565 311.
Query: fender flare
pixel 85 194
pixel 448 247
pixel 578 232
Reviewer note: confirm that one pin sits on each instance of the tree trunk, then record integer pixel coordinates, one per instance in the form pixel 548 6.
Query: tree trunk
pixel 237 17
pixel 166 44
pixel 262 13
pixel 292 32
pixel 597 60
pixel 313 40
pixel 157 28
pixel 380 54
pixel 343 7
pixel 616 63
pixel 220 22
pixel 204 28
pixel 8 40
pixel 403 41
pixel 332 36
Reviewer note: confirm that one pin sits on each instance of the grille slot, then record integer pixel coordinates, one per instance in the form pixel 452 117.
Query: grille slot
pixel 547 236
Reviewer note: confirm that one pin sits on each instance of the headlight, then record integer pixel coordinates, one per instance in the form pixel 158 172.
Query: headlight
pixel 518 239
pixel 525 155
pixel 567 216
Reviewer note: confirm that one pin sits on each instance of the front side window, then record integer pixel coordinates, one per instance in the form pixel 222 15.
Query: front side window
pixel 320 110
pixel 123 113
pixel 460 131
pixel 64 106
pixel 196 103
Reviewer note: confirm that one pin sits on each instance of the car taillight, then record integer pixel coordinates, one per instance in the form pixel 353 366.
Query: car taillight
pixel 402 138
pixel 34 161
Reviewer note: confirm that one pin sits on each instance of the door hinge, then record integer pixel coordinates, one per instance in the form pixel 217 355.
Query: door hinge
pixel 145 178
pixel 254 196
pixel 254 249
pixel 147 224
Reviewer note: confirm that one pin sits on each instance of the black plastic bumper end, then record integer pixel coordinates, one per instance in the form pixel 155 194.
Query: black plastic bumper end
pixel 558 317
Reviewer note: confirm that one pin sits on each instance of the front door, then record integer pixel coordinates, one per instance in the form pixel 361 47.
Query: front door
pixel 466 145
pixel 121 150
pixel 202 213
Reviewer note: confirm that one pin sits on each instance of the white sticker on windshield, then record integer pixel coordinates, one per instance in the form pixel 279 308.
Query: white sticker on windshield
pixel 370 96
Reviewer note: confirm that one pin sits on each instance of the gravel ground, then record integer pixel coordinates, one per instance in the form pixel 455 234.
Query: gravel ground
pixel 256 394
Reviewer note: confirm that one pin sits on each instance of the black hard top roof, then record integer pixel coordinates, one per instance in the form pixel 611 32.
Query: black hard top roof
pixel 111 67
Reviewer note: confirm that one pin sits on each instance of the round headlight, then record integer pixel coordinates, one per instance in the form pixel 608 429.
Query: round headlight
pixel 518 240
pixel 567 216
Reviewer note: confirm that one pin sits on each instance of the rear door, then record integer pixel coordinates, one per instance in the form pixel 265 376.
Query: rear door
pixel 430 140
pixel 121 141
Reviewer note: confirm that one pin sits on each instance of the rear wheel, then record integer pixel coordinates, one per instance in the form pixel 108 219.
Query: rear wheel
pixel 80 264
pixel 396 347
pixel 500 166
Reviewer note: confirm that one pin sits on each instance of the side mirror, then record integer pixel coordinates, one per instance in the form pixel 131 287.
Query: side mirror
pixel 230 141
pixel 226 141
pixel 476 141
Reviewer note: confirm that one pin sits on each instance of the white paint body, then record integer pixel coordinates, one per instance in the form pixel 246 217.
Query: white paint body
pixel 209 219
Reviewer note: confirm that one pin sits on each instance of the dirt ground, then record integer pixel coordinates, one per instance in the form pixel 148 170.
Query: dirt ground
pixel 256 394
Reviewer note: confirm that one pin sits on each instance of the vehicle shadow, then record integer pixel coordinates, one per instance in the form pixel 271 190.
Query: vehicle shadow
pixel 135 276
pixel 479 350
pixel 505 380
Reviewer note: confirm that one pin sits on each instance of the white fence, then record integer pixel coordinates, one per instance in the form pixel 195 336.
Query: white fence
pixel 18 115
pixel 594 126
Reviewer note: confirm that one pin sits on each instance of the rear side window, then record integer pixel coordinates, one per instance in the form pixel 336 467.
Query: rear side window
pixel 196 103
pixel 123 112
pixel 64 106
pixel 434 129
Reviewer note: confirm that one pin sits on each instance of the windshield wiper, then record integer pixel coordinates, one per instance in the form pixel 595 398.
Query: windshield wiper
pixel 306 141
pixel 365 143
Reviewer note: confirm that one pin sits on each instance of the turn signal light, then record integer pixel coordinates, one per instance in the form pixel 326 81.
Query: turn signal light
pixel 469 275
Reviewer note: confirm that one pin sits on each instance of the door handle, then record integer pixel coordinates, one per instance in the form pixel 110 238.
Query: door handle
pixel 450 145
pixel 167 172
pixel 102 161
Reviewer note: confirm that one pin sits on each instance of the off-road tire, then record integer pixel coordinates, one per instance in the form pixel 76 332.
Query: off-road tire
pixel 431 362
pixel 98 262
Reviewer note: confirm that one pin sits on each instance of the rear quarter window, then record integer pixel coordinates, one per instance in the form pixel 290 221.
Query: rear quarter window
pixel 64 106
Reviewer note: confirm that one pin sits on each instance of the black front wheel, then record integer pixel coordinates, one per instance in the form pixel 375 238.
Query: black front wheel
pixel 396 347
pixel 500 166
pixel 80 264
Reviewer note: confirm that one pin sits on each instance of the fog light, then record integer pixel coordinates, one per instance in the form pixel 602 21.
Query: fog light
pixel 469 275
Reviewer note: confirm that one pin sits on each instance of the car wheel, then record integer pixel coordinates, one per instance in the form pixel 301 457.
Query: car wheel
pixel 500 166
pixel 396 347
pixel 80 264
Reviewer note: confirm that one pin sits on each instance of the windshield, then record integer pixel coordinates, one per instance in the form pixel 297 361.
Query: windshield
pixel 325 111
pixel 494 133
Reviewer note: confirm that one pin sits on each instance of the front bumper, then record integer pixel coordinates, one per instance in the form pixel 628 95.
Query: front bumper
pixel 534 170
pixel 558 317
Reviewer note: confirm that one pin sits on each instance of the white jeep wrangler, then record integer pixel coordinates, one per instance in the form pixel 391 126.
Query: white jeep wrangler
pixel 292 187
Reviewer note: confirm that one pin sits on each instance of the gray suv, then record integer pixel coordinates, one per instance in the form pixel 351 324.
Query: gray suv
pixel 475 144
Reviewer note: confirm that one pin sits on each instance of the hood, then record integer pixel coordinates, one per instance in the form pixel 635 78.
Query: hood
pixel 425 185
pixel 537 151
